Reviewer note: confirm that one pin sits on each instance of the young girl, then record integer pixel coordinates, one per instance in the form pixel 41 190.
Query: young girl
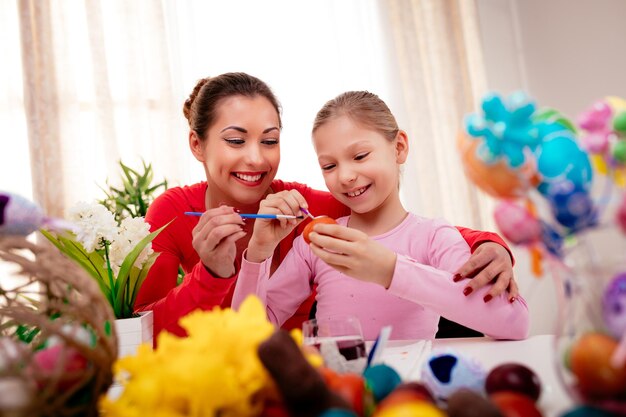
pixel 380 263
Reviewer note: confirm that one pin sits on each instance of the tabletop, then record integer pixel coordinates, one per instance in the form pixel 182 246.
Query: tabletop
pixel 536 352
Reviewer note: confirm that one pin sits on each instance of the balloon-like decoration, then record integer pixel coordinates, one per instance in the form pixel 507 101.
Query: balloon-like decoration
pixel 604 137
pixel 513 150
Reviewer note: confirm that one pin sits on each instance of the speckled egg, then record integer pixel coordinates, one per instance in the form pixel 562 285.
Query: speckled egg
pixel 614 305
pixel 445 372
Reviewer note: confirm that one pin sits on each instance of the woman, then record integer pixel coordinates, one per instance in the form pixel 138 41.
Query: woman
pixel 235 127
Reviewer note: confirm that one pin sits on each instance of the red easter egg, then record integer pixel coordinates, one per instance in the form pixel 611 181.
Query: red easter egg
pixel 513 377
pixel 309 227
pixel 514 404
pixel 351 387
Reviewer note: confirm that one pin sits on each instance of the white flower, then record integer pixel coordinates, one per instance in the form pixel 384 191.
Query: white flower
pixel 131 232
pixel 94 223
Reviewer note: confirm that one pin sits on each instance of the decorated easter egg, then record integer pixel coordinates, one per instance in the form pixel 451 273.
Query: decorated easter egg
pixel 467 403
pixel 614 305
pixel 590 362
pixel 413 409
pixel 382 379
pixel 515 404
pixel 445 372
pixel 513 377
pixel 309 227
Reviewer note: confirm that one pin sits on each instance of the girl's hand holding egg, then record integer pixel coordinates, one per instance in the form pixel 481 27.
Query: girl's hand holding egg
pixel 350 251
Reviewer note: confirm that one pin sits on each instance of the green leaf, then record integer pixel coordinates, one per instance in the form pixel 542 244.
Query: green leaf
pixel 124 273
pixel 91 263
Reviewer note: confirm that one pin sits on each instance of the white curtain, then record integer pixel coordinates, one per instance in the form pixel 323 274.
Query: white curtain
pixel 438 56
pixel 89 83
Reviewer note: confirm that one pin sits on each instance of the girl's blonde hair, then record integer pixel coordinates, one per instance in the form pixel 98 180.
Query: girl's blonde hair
pixel 362 107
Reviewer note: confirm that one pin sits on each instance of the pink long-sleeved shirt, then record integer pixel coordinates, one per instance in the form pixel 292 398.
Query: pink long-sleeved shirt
pixel 428 251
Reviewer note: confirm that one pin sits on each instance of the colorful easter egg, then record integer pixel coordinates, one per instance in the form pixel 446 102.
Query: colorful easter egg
pixel 445 372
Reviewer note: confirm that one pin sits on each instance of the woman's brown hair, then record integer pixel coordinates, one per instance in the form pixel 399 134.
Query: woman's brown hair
pixel 201 106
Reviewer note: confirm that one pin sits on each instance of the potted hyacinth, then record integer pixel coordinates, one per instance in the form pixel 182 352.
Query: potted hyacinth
pixel 118 257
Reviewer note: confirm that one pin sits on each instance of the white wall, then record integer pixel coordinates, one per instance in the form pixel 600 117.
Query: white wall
pixel 566 55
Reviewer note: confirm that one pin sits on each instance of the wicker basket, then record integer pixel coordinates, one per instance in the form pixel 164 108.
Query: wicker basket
pixel 57 344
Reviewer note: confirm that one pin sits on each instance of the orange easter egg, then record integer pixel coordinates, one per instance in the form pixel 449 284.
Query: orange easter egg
pixel 309 227
pixel 590 360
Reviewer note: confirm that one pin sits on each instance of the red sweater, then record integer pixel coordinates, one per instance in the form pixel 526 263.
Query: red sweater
pixel 200 289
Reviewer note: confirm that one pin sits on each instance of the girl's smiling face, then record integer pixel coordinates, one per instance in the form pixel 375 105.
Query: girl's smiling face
pixel 360 166
pixel 241 152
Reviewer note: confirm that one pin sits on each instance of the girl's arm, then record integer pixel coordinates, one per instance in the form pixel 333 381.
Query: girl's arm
pixel 283 292
pixel 433 287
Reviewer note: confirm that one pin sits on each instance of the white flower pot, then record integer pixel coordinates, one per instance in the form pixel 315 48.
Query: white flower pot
pixel 133 332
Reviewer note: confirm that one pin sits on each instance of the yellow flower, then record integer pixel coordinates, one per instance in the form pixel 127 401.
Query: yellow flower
pixel 214 371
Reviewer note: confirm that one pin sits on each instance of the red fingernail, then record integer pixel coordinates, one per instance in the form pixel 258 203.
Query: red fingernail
pixel 457 277
pixel 467 290
pixel 487 298
pixel 512 300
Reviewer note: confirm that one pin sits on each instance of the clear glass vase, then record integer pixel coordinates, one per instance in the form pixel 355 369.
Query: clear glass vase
pixel 592 320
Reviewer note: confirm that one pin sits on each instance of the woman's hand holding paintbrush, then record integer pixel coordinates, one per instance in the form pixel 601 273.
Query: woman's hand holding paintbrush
pixel 267 234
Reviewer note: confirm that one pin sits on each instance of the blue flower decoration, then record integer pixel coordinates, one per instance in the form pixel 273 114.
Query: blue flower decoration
pixel 507 128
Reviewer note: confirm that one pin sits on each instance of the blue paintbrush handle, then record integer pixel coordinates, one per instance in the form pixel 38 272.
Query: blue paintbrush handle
pixel 252 216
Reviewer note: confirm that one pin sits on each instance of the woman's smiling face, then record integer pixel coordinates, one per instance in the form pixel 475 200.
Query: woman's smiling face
pixel 241 152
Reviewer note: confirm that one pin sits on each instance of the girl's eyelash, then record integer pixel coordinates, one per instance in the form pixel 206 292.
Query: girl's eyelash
pixel 270 141
pixel 328 167
pixel 361 156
